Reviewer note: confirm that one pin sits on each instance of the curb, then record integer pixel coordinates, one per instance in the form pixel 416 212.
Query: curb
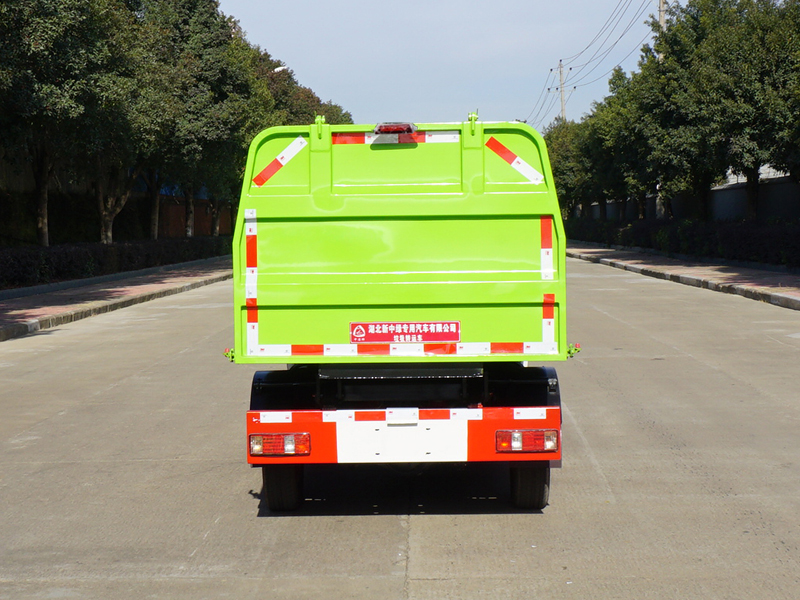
pixel 752 293
pixel 21 329
pixel 35 290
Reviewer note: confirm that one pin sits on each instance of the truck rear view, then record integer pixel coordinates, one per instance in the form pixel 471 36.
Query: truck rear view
pixel 411 278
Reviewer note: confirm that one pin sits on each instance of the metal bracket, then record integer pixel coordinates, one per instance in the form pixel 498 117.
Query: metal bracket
pixel 573 349
pixel 319 122
pixel 473 119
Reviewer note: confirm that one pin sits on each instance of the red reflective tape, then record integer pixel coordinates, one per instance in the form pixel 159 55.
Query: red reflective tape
pixel 348 138
pixel 501 151
pixel 547 233
pixel 431 414
pixel 374 349
pixel 548 306
pixel 308 349
pixel 251 249
pixel 508 348
pixel 417 137
pixel 440 348
pixel 368 415
pixel 252 314
pixel 251 302
pixel 268 172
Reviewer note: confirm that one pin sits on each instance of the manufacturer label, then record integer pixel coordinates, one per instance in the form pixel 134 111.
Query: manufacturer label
pixel 405 332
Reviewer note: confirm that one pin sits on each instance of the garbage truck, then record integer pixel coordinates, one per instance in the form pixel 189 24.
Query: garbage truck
pixel 403 285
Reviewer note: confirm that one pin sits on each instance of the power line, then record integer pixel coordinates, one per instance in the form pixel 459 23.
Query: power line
pixel 576 77
pixel 640 11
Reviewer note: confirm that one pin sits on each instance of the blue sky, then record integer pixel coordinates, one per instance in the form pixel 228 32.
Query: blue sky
pixel 430 61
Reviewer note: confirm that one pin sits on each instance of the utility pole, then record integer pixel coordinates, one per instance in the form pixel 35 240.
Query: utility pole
pixel 560 89
pixel 662 14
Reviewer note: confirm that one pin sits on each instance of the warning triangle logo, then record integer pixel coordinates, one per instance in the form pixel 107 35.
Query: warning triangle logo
pixel 359 332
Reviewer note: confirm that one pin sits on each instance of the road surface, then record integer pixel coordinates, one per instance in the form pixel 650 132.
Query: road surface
pixel 122 469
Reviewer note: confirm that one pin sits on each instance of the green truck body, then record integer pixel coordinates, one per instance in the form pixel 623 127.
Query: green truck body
pixel 454 227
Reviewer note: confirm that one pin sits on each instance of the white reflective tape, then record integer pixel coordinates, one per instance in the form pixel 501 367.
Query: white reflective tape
pixel 292 149
pixel 340 350
pixel 250 282
pixel 540 348
pixel 275 417
pixel 252 338
pixel 530 413
pixel 329 416
pixel 441 137
pixel 274 350
pixel 474 348
pixel 466 414
pixel 547 263
pixel 250 227
pixel 407 350
pixel 249 214
pixel 548 330
pixel 402 416
pixel 527 171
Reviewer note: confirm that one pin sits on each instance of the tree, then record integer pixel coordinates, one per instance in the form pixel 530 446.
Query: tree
pixel 50 54
pixel 785 101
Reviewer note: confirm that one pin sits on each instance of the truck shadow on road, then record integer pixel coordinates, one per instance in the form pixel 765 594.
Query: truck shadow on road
pixel 440 489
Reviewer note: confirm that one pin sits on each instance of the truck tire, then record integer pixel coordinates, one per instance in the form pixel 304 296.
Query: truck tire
pixel 283 486
pixel 530 485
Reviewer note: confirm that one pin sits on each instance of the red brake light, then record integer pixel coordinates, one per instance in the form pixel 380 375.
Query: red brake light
pixel 527 441
pixel 395 128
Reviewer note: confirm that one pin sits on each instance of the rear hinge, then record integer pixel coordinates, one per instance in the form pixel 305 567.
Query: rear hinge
pixel 473 119
pixel 229 354
pixel 573 349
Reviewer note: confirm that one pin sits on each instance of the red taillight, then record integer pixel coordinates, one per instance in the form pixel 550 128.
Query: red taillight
pixel 280 444
pixel 395 128
pixel 537 440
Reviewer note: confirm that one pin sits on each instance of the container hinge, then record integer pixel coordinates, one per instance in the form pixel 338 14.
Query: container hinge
pixel 229 354
pixel 473 119
pixel 573 349
pixel 319 121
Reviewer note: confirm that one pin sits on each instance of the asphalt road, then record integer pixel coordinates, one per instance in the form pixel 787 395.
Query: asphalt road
pixel 122 471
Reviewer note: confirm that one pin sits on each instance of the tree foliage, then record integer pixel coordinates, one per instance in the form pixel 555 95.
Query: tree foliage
pixel 108 90
pixel 717 92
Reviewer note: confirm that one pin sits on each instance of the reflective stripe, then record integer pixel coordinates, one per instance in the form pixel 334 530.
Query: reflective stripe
pixel 278 163
pixel 518 164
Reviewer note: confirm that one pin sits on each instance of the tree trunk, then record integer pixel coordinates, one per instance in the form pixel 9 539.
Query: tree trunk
pixel 154 193
pixel 602 206
pixel 42 173
pixel 106 218
pixel 110 206
pixel 623 211
pixel 641 204
pixel 752 186
pixel 189 198
pixel 216 213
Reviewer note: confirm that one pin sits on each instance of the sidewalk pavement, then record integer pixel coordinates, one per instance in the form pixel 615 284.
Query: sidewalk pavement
pixel 28 310
pixel 777 287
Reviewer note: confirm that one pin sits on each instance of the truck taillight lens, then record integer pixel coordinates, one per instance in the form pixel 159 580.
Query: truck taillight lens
pixel 280 444
pixel 536 440
pixel 395 128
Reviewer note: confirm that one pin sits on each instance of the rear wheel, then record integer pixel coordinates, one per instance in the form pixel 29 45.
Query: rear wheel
pixel 283 486
pixel 530 485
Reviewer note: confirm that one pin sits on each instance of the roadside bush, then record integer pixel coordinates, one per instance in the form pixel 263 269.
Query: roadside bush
pixel 34 265
pixel 768 243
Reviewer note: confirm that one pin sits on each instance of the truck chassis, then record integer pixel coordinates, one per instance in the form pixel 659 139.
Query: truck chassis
pixel 483 412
